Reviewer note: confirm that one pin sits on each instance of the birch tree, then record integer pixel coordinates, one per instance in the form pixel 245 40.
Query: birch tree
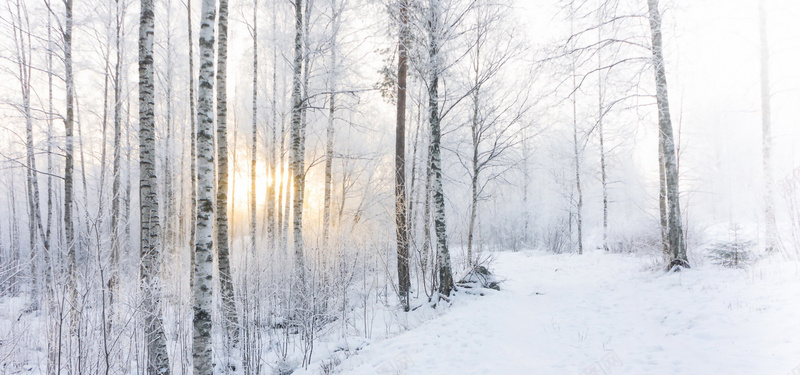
pixel 22 40
pixel 116 193
pixel 204 241
pixel 770 226
pixel 69 125
pixel 254 138
pixel 495 112
pixel 297 156
pixel 150 241
pixel 677 247
pixel 435 29
pixel 223 243
pixel 336 13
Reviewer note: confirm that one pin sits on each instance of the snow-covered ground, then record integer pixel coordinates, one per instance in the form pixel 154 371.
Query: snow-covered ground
pixel 605 314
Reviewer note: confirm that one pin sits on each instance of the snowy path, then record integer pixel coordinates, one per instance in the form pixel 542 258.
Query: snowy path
pixel 606 314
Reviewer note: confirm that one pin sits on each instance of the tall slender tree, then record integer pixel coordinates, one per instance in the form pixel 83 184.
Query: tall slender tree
pixel 69 147
pixel 435 30
pixel 116 194
pixel 150 236
pixel 204 241
pixel 770 225
pixel 192 144
pixel 254 138
pixel 401 216
pixel 677 247
pixel 336 13
pixel 223 242
pixel 297 142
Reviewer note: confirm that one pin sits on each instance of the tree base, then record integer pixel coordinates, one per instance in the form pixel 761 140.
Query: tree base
pixel 678 264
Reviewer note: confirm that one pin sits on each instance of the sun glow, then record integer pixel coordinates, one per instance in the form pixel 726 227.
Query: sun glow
pixel 239 186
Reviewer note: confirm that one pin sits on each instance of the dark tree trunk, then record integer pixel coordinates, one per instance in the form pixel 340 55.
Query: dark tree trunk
pixel 401 217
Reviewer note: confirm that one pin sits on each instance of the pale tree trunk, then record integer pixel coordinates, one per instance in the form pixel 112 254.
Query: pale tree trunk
pixel 426 222
pixel 473 186
pixel 676 242
pixel 577 163
pixel 273 166
pixel 50 169
pixel 446 284
pixel 401 216
pixel 150 245
pixel 69 164
pixel 526 182
pixel 413 186
pixel 169 191
pixel 662 198
pixel 204 241
pixel 22 40
pixel 329 133
pixel 770 226
pixel 193 148
pixel 297 154
pixel 475 132
pixel 600 117
pixel 103 148
pixel 254 140
pixel 577 157
pixel 113 280
pixel 69 169
pixel 223 242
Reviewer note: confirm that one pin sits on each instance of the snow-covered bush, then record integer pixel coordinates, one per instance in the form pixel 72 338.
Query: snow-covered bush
pixel 479 277
pixel 735 252
pixel 556 238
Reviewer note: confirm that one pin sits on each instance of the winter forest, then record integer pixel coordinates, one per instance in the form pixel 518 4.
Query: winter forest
pixel 399 187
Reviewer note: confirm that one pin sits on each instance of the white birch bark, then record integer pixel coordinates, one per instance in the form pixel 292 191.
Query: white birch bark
pixel 675 232
pixel 770 225
pixel 296 142
pixel 150 230
pixel 445 273
pixel 254 139
pixel 204 241
pixel 223 244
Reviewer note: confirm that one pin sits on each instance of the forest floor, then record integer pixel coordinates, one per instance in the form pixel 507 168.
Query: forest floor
pixel 605 314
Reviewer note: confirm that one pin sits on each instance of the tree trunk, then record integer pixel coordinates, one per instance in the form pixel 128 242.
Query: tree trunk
pixel 223 243
pixel 22 39
pixel 601 135
pixel 577 158
pixel 329 133
pixel 113 280
pixel 676 244
pixel 297 154
pixel 50 168
pixel 150 246
pixel 204 241
pixel 274 189
pixel 169 191
pixel 446 284
pixel 69 165
pixel 401 217
pixel 193 148
pixel 475 132
pixel 770 226
pixel 662 198
pixel 254 141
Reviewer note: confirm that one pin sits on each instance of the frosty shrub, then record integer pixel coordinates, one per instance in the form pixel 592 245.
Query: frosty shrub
pixel 734 253
pixel 556 238
pixel 328 367
pixel 284 367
